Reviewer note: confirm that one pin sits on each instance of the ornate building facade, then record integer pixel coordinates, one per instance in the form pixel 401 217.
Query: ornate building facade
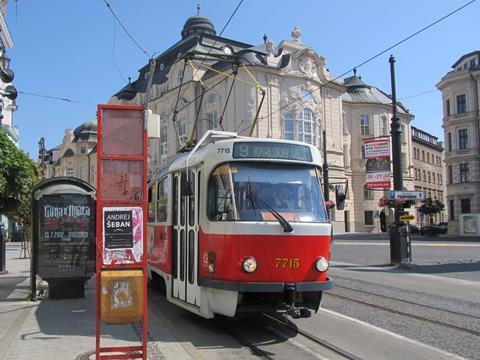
pixel 302 99
pixel 461 123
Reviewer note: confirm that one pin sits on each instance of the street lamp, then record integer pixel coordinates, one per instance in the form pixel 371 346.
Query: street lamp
pixel 41 152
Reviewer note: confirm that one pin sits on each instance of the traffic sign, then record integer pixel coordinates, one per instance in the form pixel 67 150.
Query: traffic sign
pixel 406 195
pixel 407 217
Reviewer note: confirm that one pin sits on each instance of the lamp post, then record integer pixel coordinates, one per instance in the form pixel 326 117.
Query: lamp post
pixel 396 240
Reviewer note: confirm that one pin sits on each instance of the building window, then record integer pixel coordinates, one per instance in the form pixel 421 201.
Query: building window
pixel 428 157
pixel 288 129
pixel 363 151
pixel 383 125
pixel 367 194
pixel 433 178
pixel 472 63
pixel 69 171
pixel 439 179
pixel 364 125
pixel 463 173
pixel 449 141
pixel 212 120
pixel 305 127
pixel 424 177
pixel 450 174
pixel 429 177
pixel 447 107
pixel 461 104
pixel 465 206
pixel 369 217
pixel 451 210
pixel 423 155
pixel 83 150
pixel 462 139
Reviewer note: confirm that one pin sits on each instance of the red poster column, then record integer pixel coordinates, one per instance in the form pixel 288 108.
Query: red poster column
pixel 121 262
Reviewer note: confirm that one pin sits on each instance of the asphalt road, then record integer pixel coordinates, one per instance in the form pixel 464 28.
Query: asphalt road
pixel 442 285
pixel 443 256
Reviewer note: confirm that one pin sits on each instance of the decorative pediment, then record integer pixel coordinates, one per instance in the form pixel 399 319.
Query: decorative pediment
pixel 305 62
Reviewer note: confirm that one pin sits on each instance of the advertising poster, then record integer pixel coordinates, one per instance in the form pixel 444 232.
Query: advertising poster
pixel 66 233
pixel 122 235
pixel 377 167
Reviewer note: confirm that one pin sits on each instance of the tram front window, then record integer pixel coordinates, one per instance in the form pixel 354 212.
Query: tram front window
pixel 291 190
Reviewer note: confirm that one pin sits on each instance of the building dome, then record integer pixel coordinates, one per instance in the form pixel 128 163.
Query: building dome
pixel 86 132
pixel 196 25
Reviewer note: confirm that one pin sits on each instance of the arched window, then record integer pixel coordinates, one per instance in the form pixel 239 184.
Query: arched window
pixel 301 128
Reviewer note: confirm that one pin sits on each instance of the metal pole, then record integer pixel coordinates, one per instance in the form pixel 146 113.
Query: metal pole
pixel 326 190
pixel 396 135
pixel 395 236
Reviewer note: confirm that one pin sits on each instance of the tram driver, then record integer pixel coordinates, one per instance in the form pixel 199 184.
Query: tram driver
pixel 282 199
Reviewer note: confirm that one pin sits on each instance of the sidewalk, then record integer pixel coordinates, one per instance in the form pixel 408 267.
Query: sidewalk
pixel 63 329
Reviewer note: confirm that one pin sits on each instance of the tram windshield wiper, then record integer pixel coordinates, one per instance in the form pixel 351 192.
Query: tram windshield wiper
pixel 254 198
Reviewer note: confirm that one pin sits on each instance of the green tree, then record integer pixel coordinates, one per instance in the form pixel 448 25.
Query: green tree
pixel 431 207
pixel 18 175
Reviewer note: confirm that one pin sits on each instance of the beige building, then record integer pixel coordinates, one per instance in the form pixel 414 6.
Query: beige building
pixel 290 74
pixel 76 155
pixel 428 170
pixel 460 96
pixel 368 114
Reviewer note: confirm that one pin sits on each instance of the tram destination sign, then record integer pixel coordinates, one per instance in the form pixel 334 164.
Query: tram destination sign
pixel 268 150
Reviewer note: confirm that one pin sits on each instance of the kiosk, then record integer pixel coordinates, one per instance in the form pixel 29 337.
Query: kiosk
pixel 63 224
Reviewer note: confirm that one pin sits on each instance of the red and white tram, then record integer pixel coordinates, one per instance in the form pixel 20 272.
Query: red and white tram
pixel 239 225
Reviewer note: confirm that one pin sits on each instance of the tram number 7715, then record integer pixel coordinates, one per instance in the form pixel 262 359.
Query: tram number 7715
pixel 287 263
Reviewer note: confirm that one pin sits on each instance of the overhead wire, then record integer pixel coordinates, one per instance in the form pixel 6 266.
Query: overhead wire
pixel 308 93
pixel 56 98
pixel 418 94
pixel 125 29
pixel 113 52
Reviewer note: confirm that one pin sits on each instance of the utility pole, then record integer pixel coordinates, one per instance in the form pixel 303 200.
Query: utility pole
pixel 326 185
pixel 397 242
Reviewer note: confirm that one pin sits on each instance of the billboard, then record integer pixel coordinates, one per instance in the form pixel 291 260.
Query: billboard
pixel 66 234
pixel 377 166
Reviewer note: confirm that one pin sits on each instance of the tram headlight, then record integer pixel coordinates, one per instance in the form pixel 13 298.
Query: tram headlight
pixel 321 264
pixel 249 264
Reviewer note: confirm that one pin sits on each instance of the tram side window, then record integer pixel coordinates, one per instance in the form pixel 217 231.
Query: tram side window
pixel 220 194
pixel 152 199
pixel 162 200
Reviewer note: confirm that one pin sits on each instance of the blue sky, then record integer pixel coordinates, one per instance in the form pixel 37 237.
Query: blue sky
pixel 69 49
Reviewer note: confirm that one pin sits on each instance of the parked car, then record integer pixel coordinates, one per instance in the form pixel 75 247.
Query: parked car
pixel 433 229
pixel 443 227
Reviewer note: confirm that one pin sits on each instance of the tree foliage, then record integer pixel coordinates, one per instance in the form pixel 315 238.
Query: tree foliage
pixel 431 207
pixel 18 175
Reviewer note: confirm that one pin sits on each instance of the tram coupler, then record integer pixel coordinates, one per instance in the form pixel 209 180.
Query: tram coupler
pixel 297 313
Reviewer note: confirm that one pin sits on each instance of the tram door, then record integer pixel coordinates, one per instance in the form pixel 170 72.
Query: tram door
pixel 185 238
